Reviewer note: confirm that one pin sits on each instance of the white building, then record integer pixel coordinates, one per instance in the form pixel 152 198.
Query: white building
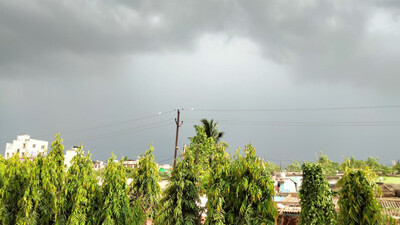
pixel 69 154
pixel 98 165
pixel 131 163
pixel 25 146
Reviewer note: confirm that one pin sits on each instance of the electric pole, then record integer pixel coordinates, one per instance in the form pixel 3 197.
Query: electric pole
pixel 178 124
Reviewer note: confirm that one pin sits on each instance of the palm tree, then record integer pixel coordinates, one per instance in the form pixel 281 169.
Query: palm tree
pixel 211 129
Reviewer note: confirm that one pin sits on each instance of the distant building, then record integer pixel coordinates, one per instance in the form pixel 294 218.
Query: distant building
pixel 98 165
pixel 287 184
pixel 69 155
pixel 131 163
pixel 26 147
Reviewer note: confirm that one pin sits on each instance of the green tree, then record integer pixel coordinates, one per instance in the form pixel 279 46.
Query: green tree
pixel 52 181
pixel 373 164
pixel 16 181
pixel 329 167
pixel 357 198
pixel 81 191
pixel 201 148
pixel 144 186
pixel 397 167
pixel 179 202
pixel 294 167
pixel 241 191
pixel 211 129
pixel 2 170
pixel 115 199
pixel 216 186
pixel 315 197
pixel 36 187
pixel 272 167
pixel 31 210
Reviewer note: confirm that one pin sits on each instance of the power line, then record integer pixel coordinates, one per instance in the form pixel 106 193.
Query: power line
pixel 126 131
pixel 117 123
pixel 165 160
pixel 295 109
pixel 104 125
pixel 302 123
pixel 115 135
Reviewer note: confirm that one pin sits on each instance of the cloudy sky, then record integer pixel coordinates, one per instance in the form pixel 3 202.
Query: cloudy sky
pixel 291 77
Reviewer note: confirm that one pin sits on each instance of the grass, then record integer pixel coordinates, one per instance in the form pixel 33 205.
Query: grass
pixel 391 180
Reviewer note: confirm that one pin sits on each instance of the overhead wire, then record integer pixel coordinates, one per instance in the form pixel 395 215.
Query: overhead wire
pixel 126 131
pixel 295 109
pixel 117 123
pixel 165 160
pixel 304 123
pixel 105 125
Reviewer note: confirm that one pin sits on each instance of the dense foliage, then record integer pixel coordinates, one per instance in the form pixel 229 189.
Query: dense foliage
pixel 329 167
pixel 43 191
pixel 179 202
pixel 2 168
pixel 272 167
pixel 32 189
pixel 397 167
pixel 144 187
pixel 81 192
pixel 315 197
pixel 115 208
pixel 371 163
pixel 216 187
pixel 211 129
pixel 357 198
pixel 202 149
pixel 240 191
pixel 294 167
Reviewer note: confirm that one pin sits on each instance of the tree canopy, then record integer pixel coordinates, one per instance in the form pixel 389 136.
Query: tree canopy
pixel 241 191
pixel 211 129
pixel 178 206
pixel 315 197
pixel 294 167
pixel 357 198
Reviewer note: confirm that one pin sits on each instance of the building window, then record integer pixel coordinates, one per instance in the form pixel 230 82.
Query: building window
pixel 42 146
pixel 34 146
pixel 23 154
pixel 24 145
pixel 8 155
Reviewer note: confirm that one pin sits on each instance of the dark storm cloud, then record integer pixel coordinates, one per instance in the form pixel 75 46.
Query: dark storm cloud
pixel 330 41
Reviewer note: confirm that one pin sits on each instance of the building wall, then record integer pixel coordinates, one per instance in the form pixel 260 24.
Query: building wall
pixel 69 154
pixel 25 146
pixel 98 165
pixel 288 186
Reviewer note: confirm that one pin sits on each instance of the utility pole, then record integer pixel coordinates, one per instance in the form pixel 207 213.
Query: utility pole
pixel 178 124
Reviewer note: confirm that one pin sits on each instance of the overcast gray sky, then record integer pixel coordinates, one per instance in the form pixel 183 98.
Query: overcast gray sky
pixel 99 72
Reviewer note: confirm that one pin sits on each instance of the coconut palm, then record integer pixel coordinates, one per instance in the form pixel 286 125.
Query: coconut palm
pixel 211 129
